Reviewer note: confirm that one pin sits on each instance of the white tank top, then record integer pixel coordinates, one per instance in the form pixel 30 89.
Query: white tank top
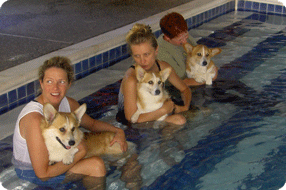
pixel 21 158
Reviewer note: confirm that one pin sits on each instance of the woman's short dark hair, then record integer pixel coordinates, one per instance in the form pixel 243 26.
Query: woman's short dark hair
pixel 173 24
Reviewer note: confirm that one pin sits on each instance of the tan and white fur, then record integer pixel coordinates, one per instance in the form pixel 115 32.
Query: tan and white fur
pixel 151 94
pixel 62 136
pixel 199 64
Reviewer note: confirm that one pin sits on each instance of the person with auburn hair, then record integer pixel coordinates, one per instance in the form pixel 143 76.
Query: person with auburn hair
pixel 30 154
pixel 175 35
pixel 144 49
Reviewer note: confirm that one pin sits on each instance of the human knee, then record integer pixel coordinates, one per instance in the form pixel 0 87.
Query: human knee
pixel 97 166
pixel 180 120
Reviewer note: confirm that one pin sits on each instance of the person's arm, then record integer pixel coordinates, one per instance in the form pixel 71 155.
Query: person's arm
pixel 178 83
pixel 98 125
pixel 129 86
pixel 38 151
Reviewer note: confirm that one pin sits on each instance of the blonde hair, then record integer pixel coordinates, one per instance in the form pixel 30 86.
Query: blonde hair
pixel 140 33
pixel 58 62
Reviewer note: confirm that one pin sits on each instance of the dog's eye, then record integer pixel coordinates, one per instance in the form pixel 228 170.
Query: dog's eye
pixel 150 82
pixel 199 54
pixel 62 129
pixel 159 82
pixel 207 54
pixel 73 129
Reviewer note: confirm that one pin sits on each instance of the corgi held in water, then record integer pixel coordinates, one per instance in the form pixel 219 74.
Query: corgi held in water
pixel 150 91
pixel 199 64
pixel 62 136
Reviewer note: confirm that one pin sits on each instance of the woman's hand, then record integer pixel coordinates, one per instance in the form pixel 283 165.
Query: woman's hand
pixel 168 106
pixel 82 149
pixel 120 138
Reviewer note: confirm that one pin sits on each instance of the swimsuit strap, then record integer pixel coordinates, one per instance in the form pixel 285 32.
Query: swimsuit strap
pixel 158 65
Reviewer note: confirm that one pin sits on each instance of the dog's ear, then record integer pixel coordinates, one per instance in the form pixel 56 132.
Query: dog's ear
pixel 140 72
pixel 79 112
pixel 215 51
pixel 49 112
pixel 165 73
pixel 188 47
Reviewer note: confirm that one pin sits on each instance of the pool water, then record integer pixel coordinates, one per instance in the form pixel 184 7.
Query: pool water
pixel 236 140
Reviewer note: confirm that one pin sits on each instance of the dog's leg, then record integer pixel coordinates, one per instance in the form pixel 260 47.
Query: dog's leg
pixel 209 80
pixel 68 158
pixel 131 173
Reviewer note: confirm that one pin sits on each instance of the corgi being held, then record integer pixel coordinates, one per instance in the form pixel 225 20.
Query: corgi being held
pixel 62 136
pixel 199 64
pixel 151 94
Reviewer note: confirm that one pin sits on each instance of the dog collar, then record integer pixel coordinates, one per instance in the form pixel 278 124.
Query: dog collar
pixel 59 140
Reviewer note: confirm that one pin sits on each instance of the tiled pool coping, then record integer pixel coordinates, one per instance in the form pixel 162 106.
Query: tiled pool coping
pixel 109 51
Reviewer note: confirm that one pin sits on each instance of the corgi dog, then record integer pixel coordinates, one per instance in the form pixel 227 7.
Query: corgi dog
pixel 62 136
pixel 150 91
pixel 199 64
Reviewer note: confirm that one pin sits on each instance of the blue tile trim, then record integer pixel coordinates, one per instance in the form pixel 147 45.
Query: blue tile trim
pixel 97 62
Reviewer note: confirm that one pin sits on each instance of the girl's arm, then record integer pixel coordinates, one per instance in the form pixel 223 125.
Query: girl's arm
pixel 178 83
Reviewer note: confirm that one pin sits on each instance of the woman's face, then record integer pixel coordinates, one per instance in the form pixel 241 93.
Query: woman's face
pixel 144 54
pixel 180 39
pixel 54 85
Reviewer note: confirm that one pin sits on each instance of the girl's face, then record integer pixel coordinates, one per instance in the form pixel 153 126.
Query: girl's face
pixel 54 86
pixel 144 54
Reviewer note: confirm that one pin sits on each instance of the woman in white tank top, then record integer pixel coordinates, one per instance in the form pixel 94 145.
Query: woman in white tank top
pixel 30 155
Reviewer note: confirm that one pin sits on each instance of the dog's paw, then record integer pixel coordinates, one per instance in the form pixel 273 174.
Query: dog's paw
pixel 209 81
pixel 135 117
pixel 68 159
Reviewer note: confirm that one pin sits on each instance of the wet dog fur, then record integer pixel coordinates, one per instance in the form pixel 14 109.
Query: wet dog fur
pixel 199 64
pixel 62 135
pixel 150 91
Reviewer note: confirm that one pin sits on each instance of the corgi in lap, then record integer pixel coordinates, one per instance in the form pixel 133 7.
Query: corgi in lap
pixel 151 94
pixel 62 136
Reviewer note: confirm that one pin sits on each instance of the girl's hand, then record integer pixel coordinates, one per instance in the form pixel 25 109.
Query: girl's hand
pixel 169 106
pixel 120 138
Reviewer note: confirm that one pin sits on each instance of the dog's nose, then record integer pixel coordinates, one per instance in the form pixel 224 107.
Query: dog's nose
pixel 71 142
pixel 157 92
pixel 205 63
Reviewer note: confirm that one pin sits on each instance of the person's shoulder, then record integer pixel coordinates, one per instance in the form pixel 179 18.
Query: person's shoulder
pixel 129 78
pixel 160 39
pixel 164 64
pixel 73 103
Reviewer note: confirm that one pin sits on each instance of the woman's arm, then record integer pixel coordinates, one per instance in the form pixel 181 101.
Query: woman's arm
pixel 38 151
pixel 178 83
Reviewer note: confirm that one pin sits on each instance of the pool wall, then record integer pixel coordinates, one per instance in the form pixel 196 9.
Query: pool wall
pixel 19 84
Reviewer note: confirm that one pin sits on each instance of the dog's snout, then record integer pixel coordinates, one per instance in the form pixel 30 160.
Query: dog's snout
pixel 205 63
pixel 157 92
pixel 71 142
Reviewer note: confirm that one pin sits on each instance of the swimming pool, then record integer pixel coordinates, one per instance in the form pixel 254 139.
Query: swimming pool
pixel 238 140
